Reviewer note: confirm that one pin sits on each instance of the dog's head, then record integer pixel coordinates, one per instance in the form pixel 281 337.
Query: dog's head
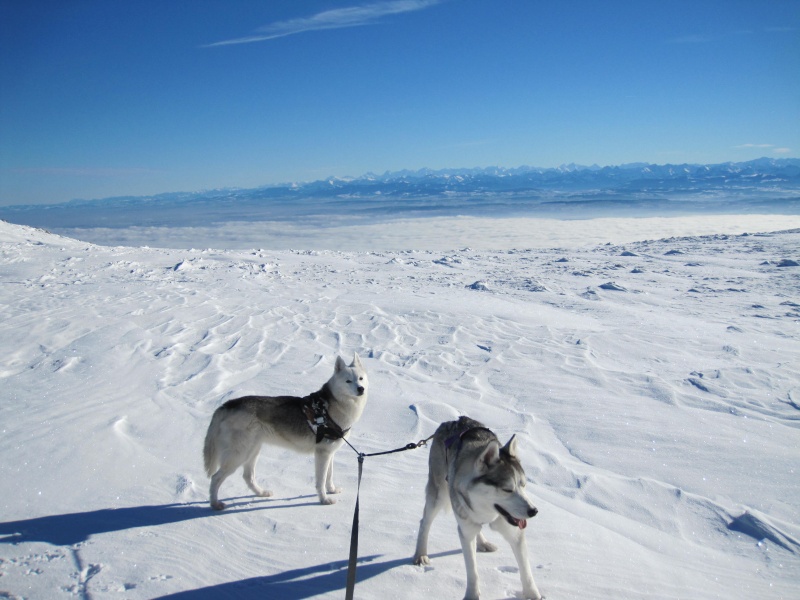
pixel 349 381
pixel 501 475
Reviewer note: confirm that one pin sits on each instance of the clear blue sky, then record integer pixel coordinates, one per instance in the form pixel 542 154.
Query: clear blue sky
pixel 111 97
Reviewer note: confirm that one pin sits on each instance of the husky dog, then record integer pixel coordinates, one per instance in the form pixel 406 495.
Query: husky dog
pixel 484 483
pixel 316 423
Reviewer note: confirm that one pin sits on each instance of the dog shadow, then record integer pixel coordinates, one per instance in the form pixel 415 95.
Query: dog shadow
pixel 297 584
pixel 73 528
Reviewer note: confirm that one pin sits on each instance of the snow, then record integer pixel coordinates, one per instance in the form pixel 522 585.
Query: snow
pixel 654 387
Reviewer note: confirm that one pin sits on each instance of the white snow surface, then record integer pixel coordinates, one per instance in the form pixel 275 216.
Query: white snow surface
pixel 654 388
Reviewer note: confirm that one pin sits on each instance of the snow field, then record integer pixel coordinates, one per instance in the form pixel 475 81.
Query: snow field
pixel 654 387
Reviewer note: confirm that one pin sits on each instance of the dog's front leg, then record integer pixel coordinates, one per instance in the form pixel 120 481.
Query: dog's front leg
pixel 468 534
pixel 330 487
pixel 323 458
pixel 516 539
pixel 434 501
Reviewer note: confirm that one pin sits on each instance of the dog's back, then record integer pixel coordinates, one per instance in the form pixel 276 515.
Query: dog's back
pixel 447 441
pixel 449 431
pixel 253 420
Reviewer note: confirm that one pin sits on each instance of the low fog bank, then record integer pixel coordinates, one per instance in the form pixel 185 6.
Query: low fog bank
pixel 433 233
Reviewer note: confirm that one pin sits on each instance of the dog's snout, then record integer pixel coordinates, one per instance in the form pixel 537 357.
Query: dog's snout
pixel 533 511
pixel 360 390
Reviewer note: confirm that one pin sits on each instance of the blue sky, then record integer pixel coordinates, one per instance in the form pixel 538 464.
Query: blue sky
pixel 112 97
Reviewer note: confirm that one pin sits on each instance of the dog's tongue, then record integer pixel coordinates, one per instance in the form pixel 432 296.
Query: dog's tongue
pixel 522 523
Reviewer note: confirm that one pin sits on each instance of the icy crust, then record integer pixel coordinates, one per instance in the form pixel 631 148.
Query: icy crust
pixel 653 387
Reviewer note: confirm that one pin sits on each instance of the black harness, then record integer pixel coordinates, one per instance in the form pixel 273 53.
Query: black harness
pixel 315 409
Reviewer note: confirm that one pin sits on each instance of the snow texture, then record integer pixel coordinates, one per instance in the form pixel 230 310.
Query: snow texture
pixel 654 388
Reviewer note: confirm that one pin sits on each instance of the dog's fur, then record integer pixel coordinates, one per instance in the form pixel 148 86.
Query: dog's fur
pixel 239 428
pixel 484 484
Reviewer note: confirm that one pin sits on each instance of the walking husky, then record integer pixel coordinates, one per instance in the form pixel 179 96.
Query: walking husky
pixel 484 483
pixel 316 423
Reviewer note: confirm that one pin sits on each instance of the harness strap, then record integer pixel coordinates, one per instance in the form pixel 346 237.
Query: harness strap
pixel 315 408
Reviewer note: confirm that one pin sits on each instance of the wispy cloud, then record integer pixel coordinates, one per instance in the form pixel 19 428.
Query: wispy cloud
pixel 698 38
pixel 775 149
pixel 708 38
pixel 754 146
pixel 85 171
pixel 339 18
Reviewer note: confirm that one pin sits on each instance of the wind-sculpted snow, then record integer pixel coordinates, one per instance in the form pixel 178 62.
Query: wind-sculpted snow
pixel 654 387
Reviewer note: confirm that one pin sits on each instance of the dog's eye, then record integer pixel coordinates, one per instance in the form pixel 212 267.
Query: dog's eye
pixel 361 379
pixel 508 491
pixel 349 381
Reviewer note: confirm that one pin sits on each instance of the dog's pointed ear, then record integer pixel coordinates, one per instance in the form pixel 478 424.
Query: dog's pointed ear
pixel 488 457
pixel 510 449
pixel 356 361
pixel 340 364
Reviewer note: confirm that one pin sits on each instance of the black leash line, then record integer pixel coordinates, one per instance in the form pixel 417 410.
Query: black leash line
pixel 353 560
pixel 410 446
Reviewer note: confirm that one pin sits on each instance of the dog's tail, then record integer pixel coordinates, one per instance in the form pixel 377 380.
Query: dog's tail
pixel 210 454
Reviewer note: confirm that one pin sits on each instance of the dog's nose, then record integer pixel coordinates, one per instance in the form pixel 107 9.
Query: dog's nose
pixel 533 511
pixel 360 390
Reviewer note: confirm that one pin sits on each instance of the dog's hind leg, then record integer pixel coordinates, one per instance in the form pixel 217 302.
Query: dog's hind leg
pixel 249 474
pixel 516 539
pixel 225 471
pixel 230 459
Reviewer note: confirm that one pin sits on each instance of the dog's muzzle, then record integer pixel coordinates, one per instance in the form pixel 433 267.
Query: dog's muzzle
pixel 521 523
pixel 360 390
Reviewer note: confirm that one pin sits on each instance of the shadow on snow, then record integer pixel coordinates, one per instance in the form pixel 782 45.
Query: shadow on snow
pixel 73 528
pixel 296 584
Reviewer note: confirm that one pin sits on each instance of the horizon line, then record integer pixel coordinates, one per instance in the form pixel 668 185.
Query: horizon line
pixel 366 175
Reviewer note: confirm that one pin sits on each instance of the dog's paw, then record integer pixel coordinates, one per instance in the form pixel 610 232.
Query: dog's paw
pixel 334 490
pixel 486 547
pixel 327 500
pixel 218 505
pixel 264 494
pixel 422 561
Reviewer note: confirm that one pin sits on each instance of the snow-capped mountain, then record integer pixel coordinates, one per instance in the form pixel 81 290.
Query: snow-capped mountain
pixel 765 185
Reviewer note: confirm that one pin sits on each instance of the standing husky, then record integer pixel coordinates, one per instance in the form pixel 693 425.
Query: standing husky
pixel 483 483
pixel 316 423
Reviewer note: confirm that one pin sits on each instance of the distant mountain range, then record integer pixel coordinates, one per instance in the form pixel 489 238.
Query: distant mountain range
pixel 572 191
pixel 636 177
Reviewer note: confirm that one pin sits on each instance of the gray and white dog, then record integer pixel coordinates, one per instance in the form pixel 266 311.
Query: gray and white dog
pixel 315 423
pixel 485 484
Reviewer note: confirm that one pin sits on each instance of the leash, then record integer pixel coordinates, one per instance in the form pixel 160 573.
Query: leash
pixel 353 560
